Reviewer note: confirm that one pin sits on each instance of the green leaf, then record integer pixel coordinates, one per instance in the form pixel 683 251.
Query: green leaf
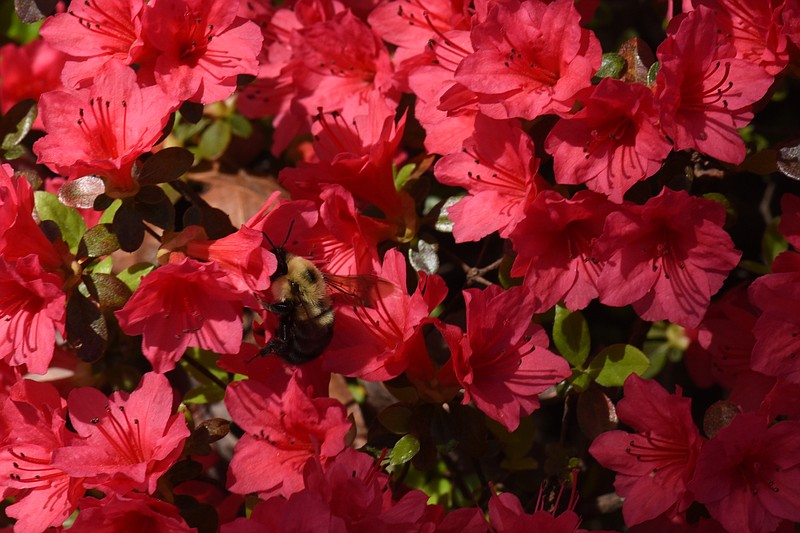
pixel 652 72
pixel 215 140
pixel 571 336
pixel 402 175
pixel 68 220
pixel 615 363
pixel 579 380
pixel 132 276
pixel 611 67
pixel 204 394
pixel 208 360
pixel 98 241
pixel 103 267
pixel 240 126
pixel 405 450
pixel 108 214
pixel 772 242
pixel 183 131
pixel 15 125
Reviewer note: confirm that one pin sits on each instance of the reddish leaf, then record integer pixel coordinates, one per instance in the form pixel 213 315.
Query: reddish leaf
pixel 718 416
pixel 166 165
pixel 596 413
pixel 82 192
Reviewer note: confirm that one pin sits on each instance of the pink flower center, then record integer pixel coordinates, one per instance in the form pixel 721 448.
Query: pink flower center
pixel 614 131
pixel 106 25
pixel 708 92
pixel 502 179
pixel 34 470
pixel 123 435
pixel 196 40
pixel 756 475
pixel 100 124
pixel 656 449
pixel 530 68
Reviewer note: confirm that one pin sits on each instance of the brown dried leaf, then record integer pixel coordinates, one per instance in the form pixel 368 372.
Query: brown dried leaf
pixel 239 195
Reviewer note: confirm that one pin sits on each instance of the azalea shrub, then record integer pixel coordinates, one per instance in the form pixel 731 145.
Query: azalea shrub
pixel 544 259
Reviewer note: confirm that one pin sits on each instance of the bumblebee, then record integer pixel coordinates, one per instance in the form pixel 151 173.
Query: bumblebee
pixel 304 309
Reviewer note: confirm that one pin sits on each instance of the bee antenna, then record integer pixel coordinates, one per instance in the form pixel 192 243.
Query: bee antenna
pixel 269 240
pixel 288 232
pixel 285 240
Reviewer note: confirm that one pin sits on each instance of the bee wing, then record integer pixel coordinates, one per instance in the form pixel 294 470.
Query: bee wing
pixel 362 290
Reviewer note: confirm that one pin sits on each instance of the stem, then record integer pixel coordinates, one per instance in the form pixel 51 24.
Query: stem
pixel 206 372
pixel 152 233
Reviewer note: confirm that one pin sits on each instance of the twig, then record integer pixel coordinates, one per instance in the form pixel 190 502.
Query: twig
pixel 206 372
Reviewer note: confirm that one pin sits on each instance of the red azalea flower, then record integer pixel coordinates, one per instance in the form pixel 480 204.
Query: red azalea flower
pixel 501 360
pixel 334 235
pixel 275 91
pixel 444 107
pixel 530 59
pixel 776 330
pixel 703 91
pixel 33 422
pixel 129 513
pixel 790 17
pixel 102 129
pixel 344 65
pixel 357 153
pixel 726 336
pixel 748 475
pixel 126 441
pixel 789 225
pixel 755 30
pixel 261 13
pixel 667 257
pixel 612 143
pixel 242 254
pixel 410 26
pixel 93 33
pixel 202 46
pixel 378 342
pixel 28 71
pixel 555 248
pixel 20 235
pixel 346 493
pixel 506 514
pixel 284 429
pixel 655 464
pixel 32 310
pixel 181 304
pixel 678 524
pixel 497 166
